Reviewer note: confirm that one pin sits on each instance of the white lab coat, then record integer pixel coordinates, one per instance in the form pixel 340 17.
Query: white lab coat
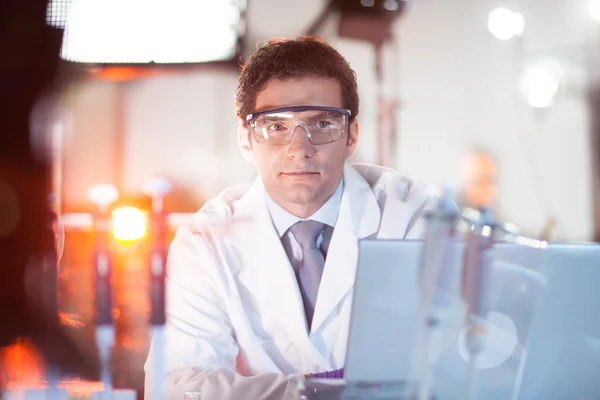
pixel 236 327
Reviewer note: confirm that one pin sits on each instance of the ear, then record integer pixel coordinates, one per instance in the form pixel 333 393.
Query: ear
pixel 243 138
pixel 352 141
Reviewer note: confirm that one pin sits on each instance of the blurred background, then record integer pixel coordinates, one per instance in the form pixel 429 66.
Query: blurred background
pixel 496 99
pixel 449 88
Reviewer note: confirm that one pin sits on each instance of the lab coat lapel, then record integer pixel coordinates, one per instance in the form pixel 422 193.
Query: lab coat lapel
pixel 265 270
pixel 359 216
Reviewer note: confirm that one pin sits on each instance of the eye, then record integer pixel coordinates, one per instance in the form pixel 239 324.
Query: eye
pixel 277 127
pixel 324 124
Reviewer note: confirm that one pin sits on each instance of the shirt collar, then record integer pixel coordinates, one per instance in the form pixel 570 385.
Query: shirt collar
pixel 327 214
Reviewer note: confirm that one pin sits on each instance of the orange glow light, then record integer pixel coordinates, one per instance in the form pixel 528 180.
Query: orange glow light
pixel 129 224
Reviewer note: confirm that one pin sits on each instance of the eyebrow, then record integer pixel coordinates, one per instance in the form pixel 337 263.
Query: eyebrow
pixel 321 114
pixel 265 108
pixel 274 118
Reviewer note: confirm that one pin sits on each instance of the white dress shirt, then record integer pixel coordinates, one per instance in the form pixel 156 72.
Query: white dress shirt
pixel 283 220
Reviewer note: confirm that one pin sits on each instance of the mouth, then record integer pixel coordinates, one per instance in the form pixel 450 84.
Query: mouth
pixel 301 173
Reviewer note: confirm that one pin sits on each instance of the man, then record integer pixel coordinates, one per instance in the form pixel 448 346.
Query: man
pixel 260 283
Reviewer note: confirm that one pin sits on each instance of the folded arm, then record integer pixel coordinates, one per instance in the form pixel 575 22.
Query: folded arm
pixel 225 384
pixel 201 350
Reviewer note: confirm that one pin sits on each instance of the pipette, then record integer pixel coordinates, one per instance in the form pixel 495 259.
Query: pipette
pixel 103 196
pixel 478 264
pixel 157 189
pixel 436 277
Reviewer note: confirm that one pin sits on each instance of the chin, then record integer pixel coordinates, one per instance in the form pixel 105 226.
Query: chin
pixel 300 197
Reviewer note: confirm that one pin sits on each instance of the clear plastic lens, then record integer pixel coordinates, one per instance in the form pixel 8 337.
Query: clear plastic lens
pixel 321 127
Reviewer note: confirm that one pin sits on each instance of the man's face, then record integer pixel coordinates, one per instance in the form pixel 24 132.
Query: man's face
pixel 301 176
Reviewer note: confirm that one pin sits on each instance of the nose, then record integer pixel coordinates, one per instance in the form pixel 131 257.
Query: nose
pixel 300 147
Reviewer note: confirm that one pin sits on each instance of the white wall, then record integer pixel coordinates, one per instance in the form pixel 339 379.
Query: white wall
pixel 457 87
pixel 183 127
pixel 89 140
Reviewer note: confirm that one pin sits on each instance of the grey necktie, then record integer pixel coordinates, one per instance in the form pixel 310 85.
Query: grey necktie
pixel 311 267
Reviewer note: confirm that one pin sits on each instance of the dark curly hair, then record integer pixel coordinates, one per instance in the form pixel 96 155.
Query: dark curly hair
pixel 305 56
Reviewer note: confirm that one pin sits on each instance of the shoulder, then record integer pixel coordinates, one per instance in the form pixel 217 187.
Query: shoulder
pixel 212 220
pixel 195 245
pixel 216 212
pixel 402 200
pixel 389 182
